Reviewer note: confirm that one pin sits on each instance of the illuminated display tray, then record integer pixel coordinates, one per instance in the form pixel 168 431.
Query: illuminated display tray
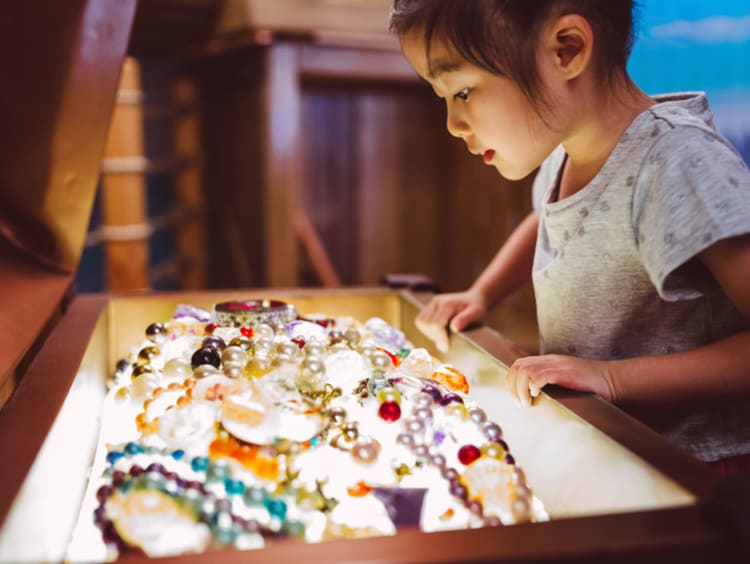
pixel 609 485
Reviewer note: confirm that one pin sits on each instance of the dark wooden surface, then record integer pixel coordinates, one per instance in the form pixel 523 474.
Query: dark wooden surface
pixel 60 76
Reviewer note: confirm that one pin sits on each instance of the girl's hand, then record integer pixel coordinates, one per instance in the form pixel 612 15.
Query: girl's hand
pixel 528 375
pixel 460 309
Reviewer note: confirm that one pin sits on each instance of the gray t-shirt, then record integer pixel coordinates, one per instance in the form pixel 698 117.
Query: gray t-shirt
pixel 613 274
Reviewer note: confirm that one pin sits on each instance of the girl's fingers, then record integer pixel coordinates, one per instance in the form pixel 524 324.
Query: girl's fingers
pixel 525 380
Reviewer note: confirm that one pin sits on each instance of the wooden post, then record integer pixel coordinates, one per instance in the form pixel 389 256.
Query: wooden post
pixel 188 184
pixel 123 196
pixel 281 160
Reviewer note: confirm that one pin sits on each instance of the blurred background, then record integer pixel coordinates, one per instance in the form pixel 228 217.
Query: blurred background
pixel 284 143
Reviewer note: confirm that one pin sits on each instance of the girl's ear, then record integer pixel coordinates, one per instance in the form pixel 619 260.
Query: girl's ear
pixel 570 41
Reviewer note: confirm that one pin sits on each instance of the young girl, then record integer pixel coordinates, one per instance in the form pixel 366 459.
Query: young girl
pixel 639 242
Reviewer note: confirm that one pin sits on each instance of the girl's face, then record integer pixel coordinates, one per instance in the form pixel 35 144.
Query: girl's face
pixel 489 112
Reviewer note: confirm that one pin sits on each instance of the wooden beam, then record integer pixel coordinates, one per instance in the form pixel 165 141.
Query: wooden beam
pixel 281 162
pixel 123 193
pixel 188 182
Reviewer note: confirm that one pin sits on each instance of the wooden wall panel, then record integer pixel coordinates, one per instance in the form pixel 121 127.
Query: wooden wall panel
pixel 378 147
pixel 231 94
pixel 328 186
pixel 421 178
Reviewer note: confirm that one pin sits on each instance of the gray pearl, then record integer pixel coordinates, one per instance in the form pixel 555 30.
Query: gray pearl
pixel 353 336
pixel 477 415
pixel 287 348
pixel 414 425
pixel 313 366
pixel 421 399
pixel 380 361
pixel 263 346
pixel 232 369
pixel 438 460
pixel 338 347
pixel 405 439
pixel 205 370
pixel 422 413
pixel 264 330
pixel 313 348
pixel 492 430
pixel 234 354
pixel 422 452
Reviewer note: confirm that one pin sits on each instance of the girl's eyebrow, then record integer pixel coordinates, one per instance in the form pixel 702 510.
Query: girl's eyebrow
pixel 440 67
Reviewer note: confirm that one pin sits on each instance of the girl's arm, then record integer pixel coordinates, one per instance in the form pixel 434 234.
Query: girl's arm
pixel 508 271
pixel 711 374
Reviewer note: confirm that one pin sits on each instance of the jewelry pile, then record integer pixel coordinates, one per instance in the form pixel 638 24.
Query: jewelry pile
pixel 249 423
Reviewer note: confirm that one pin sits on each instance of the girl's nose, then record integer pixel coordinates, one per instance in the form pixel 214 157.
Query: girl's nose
pixel 456 124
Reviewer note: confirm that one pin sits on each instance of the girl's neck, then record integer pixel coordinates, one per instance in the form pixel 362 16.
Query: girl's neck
pixel 595 133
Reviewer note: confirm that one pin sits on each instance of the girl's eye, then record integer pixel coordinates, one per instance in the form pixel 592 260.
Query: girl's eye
pixel 462 94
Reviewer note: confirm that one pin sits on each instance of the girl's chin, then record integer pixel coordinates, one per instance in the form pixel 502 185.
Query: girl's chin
pixel 511 172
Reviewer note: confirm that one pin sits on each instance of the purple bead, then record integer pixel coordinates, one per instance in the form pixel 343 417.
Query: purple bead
pixel 194 484
pixel 205 356
pixel 438 437
pixel 451 398
pixel 509 459
pixel 118 477
pixel 502 443
pixel 251 526
pixel 492 521
pixel 103 493
pixel 223 505
pixel 136 470
pixel 433 392
pixel 459 490
pixel 99 517
pixel 450 474
pixel 156 467
pixel 213 342
pixel 110 534
pixel 186 310
pixel 475 507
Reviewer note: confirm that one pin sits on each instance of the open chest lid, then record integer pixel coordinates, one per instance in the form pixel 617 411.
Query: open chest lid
pixel 61 70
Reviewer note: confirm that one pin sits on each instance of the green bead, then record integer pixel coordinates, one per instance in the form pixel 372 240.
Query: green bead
pixel 295 528
pixel 254 496
pixel 199 463
pixel 217 471
pixel 277 508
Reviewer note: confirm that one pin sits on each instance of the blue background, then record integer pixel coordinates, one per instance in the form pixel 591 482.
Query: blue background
pixel 697 45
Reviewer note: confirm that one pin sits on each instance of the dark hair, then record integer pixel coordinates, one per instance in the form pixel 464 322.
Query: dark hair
pixel 500 36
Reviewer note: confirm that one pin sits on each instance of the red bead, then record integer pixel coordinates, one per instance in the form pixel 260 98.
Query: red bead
pixel 389 411
pixel 247 331
pixel 210 328
pixel 468 454
pixel 299 341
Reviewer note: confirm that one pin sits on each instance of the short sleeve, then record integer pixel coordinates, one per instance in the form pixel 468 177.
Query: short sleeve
pixel 693 190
